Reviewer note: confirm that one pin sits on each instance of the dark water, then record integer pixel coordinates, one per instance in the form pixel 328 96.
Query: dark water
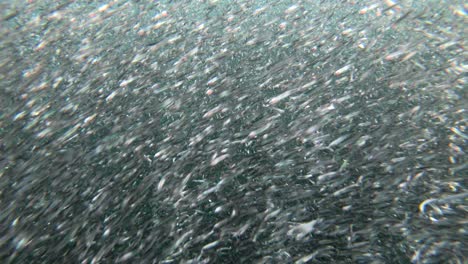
pixel 233 132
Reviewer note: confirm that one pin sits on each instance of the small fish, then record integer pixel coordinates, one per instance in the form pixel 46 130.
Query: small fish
pixel 404 16
pixel 343 70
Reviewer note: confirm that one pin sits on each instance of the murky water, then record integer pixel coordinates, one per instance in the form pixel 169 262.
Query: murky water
pixel 233 132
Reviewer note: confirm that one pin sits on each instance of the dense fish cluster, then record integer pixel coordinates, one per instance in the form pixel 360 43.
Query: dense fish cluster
pixel 233 131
